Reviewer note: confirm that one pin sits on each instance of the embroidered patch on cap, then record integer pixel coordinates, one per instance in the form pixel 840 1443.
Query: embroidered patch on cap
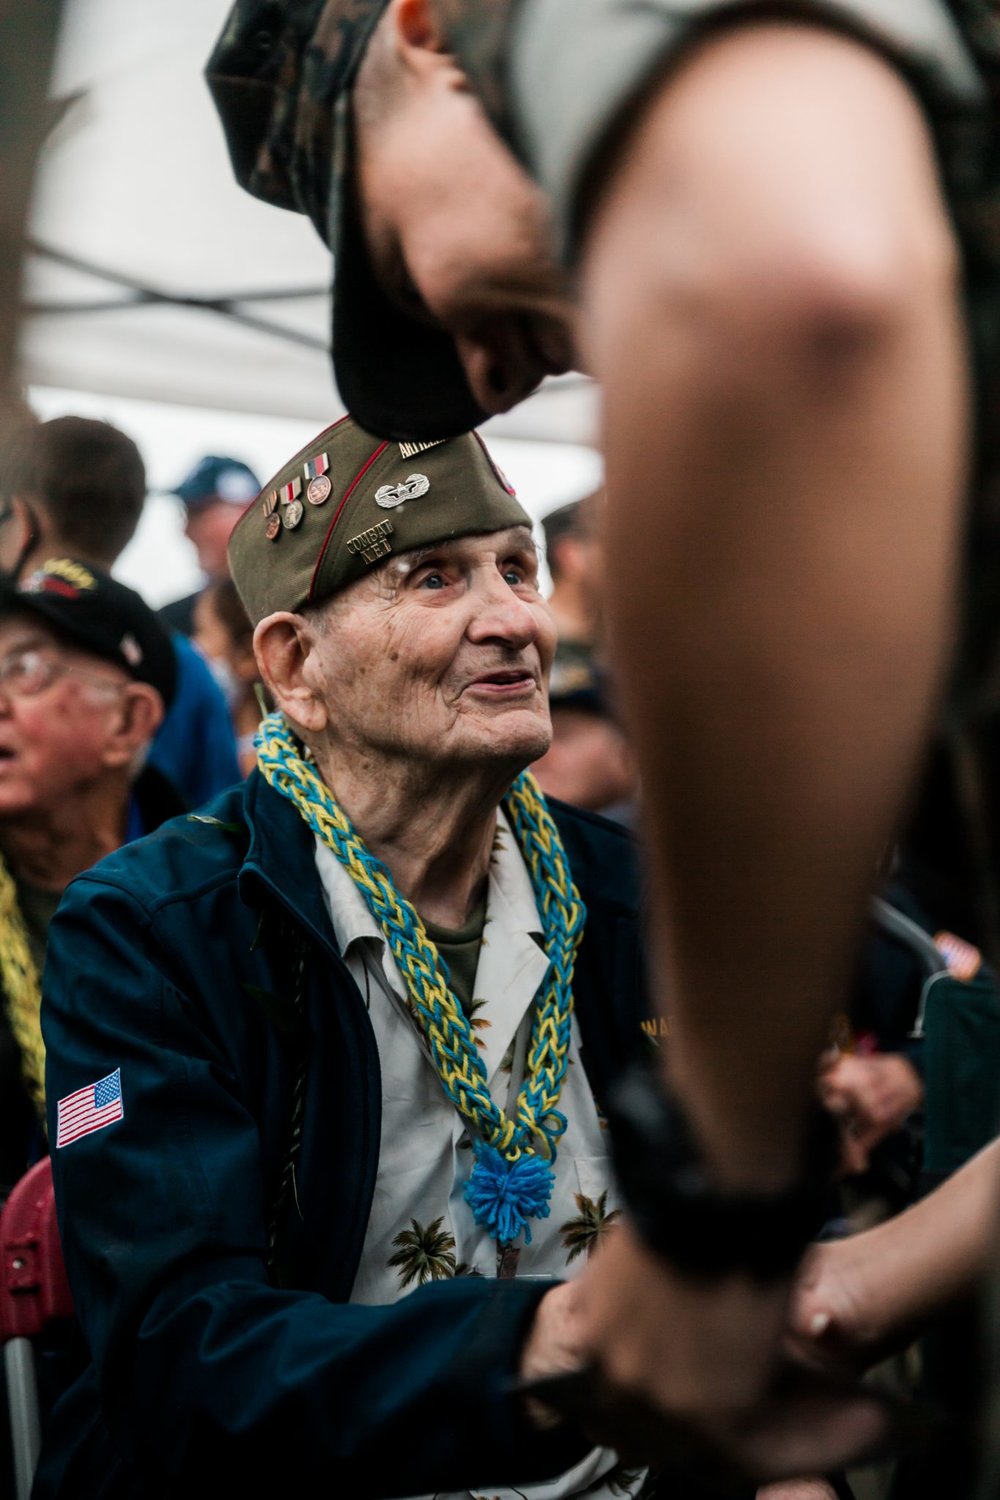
pixel 73 572
pixel 60 575
pixel 89 1109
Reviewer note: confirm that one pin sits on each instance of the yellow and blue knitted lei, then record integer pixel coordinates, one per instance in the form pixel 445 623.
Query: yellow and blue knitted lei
pixel 512 1179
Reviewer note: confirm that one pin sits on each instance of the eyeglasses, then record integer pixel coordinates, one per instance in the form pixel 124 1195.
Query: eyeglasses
pixel 26 673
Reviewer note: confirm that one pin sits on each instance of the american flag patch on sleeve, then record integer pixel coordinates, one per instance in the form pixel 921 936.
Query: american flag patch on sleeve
pixel 89 1109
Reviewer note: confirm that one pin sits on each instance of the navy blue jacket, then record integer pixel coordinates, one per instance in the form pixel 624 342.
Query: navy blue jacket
pixel 174 960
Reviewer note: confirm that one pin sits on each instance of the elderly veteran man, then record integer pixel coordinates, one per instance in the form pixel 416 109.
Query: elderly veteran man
pixel 769 286
pixel 356 1015
pixel 86 672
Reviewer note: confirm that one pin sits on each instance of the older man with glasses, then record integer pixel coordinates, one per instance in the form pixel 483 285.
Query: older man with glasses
pixel 86 671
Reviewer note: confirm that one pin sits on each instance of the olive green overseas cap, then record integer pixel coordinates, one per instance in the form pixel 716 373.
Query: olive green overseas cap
pixel 347 501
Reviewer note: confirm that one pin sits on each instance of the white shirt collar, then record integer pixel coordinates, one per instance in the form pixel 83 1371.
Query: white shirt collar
pixel 510 897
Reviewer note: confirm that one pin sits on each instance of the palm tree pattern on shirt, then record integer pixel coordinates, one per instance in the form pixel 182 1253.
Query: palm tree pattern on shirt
pixel 423 1253
pixel 478 1023
pixel 583 1233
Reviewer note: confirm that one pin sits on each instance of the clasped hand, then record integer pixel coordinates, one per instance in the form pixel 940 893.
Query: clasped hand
pixel 696 1373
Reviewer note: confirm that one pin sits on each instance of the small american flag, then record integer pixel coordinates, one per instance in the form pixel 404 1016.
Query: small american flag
pixel 89 1109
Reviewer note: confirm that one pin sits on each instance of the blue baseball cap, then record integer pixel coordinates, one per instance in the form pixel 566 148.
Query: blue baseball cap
pixel 216 478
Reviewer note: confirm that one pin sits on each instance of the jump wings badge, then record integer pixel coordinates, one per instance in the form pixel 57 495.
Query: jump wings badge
pixel 391 495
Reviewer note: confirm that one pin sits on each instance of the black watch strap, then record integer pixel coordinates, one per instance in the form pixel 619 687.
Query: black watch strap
pixel 682 1216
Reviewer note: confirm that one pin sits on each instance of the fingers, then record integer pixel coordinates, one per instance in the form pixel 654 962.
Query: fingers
pixel 871 1096
pixel 723 1336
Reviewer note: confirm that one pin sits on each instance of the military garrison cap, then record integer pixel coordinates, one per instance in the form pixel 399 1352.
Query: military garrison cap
pixel 281 76
pixel 348 500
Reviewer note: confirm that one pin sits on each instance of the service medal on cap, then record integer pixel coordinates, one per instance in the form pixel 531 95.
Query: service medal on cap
pixel 391 495
pixel 318 485
pixel 292 515
pixel 273 528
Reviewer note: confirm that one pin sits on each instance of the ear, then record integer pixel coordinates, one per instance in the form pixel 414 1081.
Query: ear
pixel 285 645
pixel 140 716
pixel 416 31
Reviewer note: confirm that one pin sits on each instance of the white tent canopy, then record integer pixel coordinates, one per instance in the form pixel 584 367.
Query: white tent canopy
pixel 154 272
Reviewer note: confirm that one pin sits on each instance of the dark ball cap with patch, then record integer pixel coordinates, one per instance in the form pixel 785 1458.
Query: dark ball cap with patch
pixel 348 501
pixel 93 611
pixel 281 77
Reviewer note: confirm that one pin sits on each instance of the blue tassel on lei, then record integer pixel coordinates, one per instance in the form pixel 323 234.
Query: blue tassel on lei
pixel 503 1196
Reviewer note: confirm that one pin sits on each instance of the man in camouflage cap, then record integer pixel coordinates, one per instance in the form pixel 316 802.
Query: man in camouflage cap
pixel 755 207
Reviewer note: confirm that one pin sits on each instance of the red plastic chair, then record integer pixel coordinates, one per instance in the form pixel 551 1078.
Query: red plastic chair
pixel 34 1292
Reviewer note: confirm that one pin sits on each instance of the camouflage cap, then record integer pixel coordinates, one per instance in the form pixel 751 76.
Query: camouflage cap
pixel 281 75
pixel 348 500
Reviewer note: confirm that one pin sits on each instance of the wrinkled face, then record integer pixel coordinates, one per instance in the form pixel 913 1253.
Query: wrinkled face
pixel 442 656
pixel 460 237
pixel 52 742
pixel 209 527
